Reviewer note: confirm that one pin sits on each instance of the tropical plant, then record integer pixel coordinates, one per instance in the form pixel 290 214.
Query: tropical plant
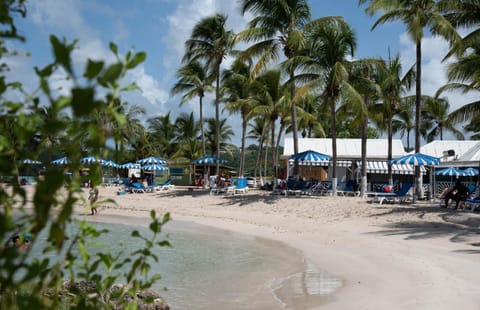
pixel 211 42
pixel 161 131
pixel 276 26
pixel 436 120
pixel 330 42
pixel 46 217
pixel 226 133
pixel 416 15
pixel 237 90
pixel 404 120
pixel 194 82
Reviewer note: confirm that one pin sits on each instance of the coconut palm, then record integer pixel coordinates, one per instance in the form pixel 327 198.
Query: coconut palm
pixel 161 131
pixel 436 119
pixel 416 15
pixel 269 99
pixel 394 84
pixel 194 82
pixel 186 127
pixel 330 42
pixel 211 42
pixel 404 120
pixel 276 26
pixel 258 131
pixel 237 89
pixel 226 134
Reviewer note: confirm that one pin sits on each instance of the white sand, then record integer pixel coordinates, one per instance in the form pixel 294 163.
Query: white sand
pixel 388 257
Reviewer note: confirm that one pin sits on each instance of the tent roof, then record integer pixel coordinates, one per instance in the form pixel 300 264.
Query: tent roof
pixel 437 148
pixel 346 148
pixel 473 154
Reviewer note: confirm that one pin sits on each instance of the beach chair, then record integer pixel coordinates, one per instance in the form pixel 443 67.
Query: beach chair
pixel 166 185
pixel 241 186
pixel 349 190
pixel 400 196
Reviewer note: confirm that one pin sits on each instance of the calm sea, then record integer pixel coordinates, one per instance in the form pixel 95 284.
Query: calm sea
pixel 208 268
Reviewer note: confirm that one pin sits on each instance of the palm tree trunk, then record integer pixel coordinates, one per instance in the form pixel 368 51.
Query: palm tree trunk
pixel 244 135
pixel 202 131
pixel 334 147
pixel 274 151
pixel 217 117
pixel 390 151
pixel 277 147
pixel 363 182
pixel 418 94
pixel 293 111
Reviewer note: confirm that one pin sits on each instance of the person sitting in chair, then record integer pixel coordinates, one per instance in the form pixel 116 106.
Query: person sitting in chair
pixel 458 193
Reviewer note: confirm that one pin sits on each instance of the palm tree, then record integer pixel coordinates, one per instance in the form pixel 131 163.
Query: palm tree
pixel 259 131
pixel 237 86
pixel 416 15
pixel 185 127
pixel 276 25
pixel 393 85
pixel 436 119
pixel 126 134
pixel 269 99
pixel 404 121
pixel 226 133
pixel 211 42
pixel 330 42
pixel 162 133
pixel 193 80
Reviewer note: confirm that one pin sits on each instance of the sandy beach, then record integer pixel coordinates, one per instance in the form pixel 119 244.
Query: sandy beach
pixel 409 256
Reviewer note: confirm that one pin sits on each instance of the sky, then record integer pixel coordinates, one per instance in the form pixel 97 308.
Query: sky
pixel 161 27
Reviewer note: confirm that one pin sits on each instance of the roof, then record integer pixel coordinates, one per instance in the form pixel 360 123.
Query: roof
pixel 437 148
pixel 346 148
pixel 473 154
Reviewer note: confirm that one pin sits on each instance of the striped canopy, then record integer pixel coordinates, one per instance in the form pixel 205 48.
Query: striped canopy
pixel 61 161
pixel 470 171
pixel 108 163
pixel 152 160
pixel 130 166
pixel 155 167
pixel 381 167
pixel 310 157
pixel 31 162
pixel 417 159
pixel 208 160
pixel 90 160
pixel 450 171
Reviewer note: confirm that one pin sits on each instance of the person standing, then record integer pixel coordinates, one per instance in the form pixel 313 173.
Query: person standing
pixel 93 197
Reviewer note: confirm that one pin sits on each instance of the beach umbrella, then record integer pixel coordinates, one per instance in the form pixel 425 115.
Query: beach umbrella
pixel 470 171
pixel 208 160
pixel 108 163
pixel 61 161
pixel 31 162
pixel 152 160
pixel 417 159
pixel 310 157
pixel 90 160
pixel 130 166
pixel 450 171
pixel 154 167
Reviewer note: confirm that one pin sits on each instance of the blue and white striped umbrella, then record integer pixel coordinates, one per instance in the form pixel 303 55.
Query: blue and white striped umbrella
pixel 450 171
pixel 90 160
pixel 131 166
pixel 310 157
pixel 417 159
pixel 208 160
pixel 108 163
pixel 153 167
pixel 470 171
pixel 61 161
pixel 152 160
pixel 31 162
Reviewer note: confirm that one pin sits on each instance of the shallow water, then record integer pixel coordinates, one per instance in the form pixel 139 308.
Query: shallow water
pixel 209 268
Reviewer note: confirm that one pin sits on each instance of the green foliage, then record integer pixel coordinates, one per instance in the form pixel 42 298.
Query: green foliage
pixel 68 125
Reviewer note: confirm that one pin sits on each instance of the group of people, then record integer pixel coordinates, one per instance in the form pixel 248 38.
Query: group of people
pixel 458 193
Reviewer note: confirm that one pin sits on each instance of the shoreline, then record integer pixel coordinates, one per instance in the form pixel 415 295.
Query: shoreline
pixel 415 256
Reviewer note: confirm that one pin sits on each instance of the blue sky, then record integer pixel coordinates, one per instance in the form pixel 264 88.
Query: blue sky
pixel 160 28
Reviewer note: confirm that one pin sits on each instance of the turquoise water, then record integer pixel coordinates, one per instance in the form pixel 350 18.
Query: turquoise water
pixel 209 268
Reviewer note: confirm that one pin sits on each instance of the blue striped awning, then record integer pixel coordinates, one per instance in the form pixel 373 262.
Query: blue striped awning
pixel 381 167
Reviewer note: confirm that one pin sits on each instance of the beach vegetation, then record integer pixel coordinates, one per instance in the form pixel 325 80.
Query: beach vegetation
pixel 70 122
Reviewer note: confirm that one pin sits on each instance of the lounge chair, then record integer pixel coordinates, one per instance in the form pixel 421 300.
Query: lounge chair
pixel 349 190
pixel 399 196
pixel 166 185
pixel 241 186
pixel 138 188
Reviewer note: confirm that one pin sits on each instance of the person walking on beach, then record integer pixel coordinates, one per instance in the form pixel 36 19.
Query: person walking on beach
pixel 93 197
